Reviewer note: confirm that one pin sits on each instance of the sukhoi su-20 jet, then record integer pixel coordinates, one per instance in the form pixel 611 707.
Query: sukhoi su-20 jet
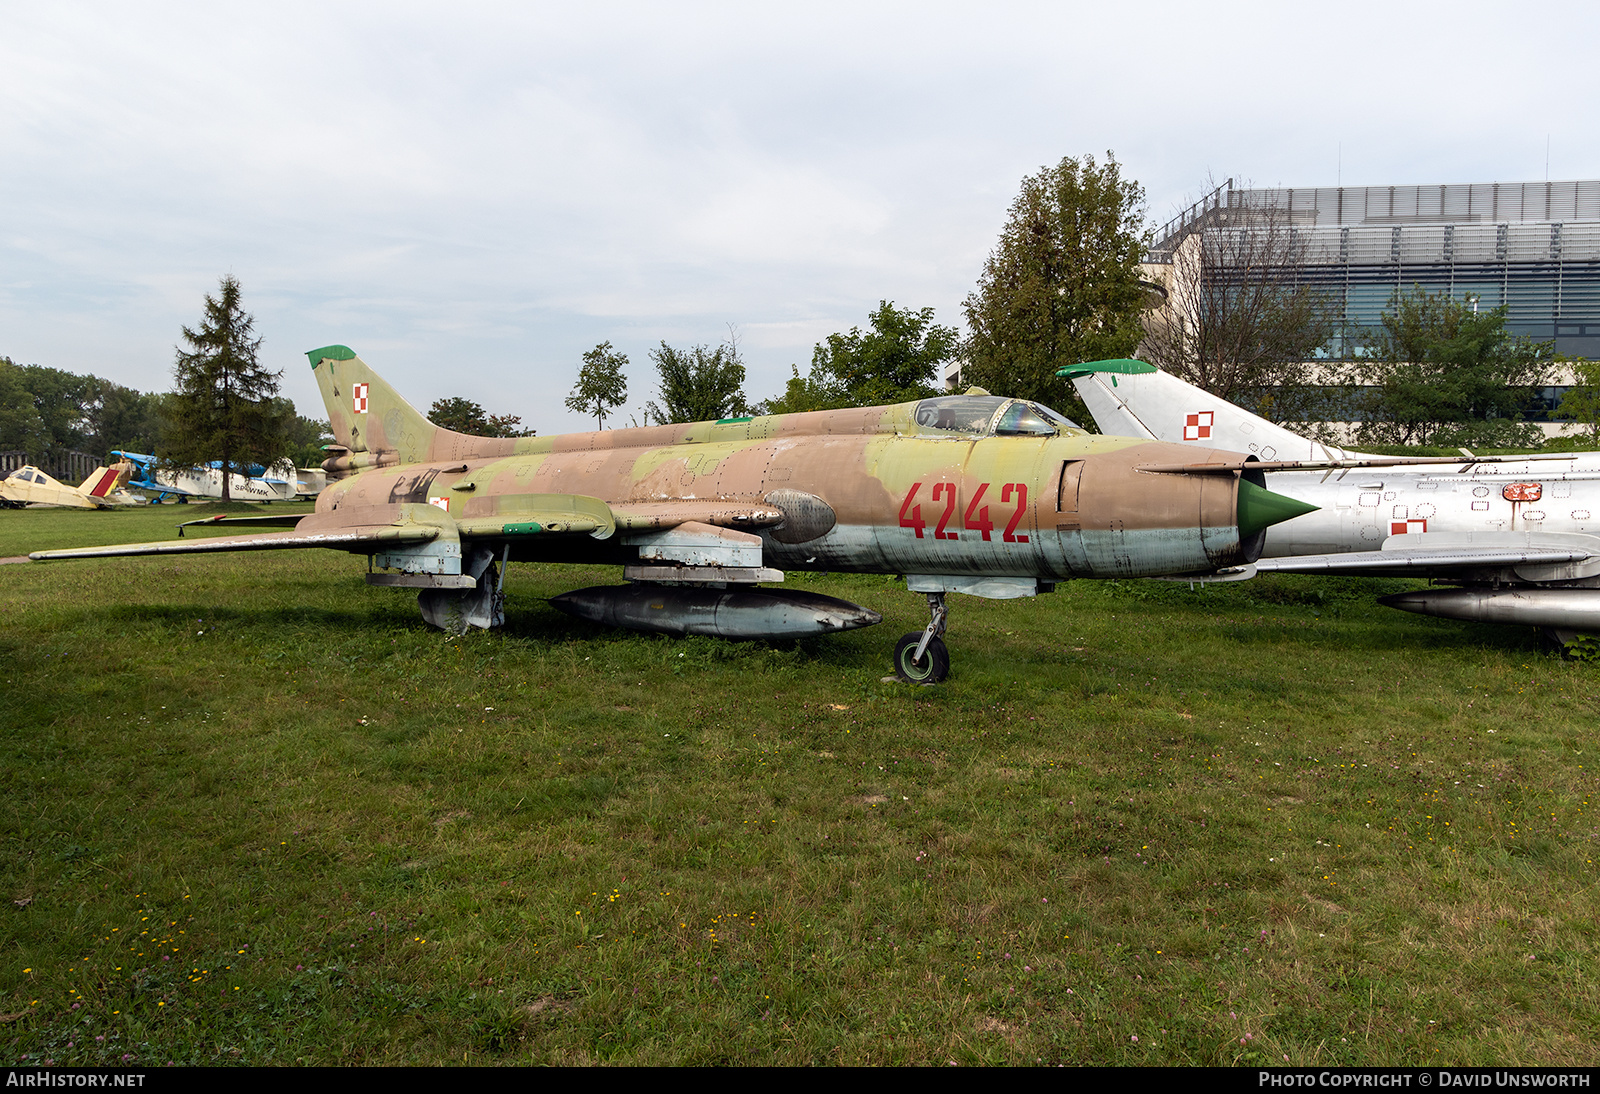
pixel 973 493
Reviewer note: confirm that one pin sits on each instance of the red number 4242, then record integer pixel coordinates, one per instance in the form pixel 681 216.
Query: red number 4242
pixel 975 518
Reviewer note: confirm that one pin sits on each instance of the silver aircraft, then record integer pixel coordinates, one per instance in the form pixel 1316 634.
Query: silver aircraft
pixel 1503 539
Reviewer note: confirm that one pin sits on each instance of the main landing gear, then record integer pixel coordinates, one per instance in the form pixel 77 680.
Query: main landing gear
pixel 456 610
pixel 921 657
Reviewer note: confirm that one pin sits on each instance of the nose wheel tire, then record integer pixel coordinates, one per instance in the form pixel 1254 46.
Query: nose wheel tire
pixel 931 669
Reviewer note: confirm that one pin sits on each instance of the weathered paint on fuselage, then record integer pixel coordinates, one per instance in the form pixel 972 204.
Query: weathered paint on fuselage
pixel 973 494
pixel 904 498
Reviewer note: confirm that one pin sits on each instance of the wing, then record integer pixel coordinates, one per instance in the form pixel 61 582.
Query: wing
pixel 408 527
pixel 1411 563
pixel 1532 556
pixel 1252 464
pixel 359 531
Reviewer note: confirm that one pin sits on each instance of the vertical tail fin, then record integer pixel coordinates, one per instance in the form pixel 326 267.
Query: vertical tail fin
pixel 1145 402
pixel 367 415
pixel 106 480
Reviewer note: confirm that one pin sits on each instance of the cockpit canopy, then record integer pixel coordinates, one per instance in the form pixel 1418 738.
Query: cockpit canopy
pixel 990 416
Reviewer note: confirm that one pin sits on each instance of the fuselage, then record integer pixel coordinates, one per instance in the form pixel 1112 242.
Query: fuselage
pixel 929 487
pixel 1359 509
pixel 31 486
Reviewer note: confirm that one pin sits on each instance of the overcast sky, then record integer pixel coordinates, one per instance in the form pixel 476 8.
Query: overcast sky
pixel 472 195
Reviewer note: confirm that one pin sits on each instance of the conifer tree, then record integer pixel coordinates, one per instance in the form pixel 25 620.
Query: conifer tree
pixel 224 408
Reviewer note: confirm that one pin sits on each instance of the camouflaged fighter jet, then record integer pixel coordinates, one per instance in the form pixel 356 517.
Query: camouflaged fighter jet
pixel 970 493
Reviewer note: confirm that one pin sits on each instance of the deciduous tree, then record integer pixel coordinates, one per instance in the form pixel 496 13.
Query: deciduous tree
pixel 1451 374
pixel 123 418
pixel 305 436
pixel 460 415
pixel 22 428
pixel 1239 321
pixel 900 358
pixel 47 411
pixel 601 386
pixel 1581 403
pixel 224 408
pixel 1062 286
pixel 698 384
pixel 466 416
pixel 61 401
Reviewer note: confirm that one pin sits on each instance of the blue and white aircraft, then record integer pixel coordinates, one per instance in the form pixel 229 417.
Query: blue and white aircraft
pixel 280 482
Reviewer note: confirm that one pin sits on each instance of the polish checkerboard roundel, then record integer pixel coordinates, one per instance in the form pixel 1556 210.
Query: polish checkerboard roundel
pixel 1197 427
pixel 358 398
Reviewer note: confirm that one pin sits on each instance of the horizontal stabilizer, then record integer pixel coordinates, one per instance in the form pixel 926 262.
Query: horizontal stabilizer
pixel 271 520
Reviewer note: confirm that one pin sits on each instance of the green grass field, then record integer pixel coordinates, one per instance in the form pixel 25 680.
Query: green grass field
pixel 255 812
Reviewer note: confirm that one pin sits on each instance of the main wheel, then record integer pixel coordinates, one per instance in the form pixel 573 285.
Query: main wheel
pixel 934 666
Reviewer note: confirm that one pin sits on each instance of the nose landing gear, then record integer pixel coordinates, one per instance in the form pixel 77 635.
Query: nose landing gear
pixel 921 657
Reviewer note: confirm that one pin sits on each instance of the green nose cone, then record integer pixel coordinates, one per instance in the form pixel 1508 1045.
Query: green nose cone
pixel 1260 508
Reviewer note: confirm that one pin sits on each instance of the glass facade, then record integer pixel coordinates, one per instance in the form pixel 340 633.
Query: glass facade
pixel 1533 247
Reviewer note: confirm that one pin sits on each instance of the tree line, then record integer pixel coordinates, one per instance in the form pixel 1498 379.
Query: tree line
pixel 46 412
pixel 1064 285
pixel 224 406
pixel 899 358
